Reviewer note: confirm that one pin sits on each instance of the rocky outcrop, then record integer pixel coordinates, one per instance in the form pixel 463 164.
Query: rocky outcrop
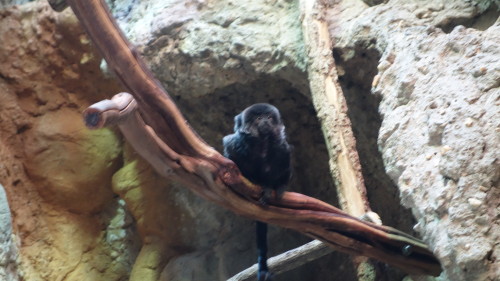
pixel 56 173
pixel 438 85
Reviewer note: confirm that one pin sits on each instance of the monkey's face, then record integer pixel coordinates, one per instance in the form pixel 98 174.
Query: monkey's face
pixel 260 120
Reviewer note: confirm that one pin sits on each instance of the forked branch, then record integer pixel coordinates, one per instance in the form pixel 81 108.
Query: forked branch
pixel 155 127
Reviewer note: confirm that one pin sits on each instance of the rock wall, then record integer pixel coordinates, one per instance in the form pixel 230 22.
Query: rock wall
pixel 56 173
pixel 436 88
pixel 423 96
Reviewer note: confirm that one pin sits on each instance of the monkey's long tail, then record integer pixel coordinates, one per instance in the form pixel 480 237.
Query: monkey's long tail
pixel 263 273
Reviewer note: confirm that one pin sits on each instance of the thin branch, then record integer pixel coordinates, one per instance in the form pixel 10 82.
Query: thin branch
pixel 297 257
pixel 288 260
pixel 160 134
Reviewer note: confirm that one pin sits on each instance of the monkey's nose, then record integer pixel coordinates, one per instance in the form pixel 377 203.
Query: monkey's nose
pixel 265 127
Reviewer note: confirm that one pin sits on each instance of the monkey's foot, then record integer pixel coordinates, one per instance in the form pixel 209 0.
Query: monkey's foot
pixel 267 194
pixel 264 276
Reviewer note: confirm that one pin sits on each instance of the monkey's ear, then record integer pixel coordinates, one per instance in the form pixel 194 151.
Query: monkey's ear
pixel 238 120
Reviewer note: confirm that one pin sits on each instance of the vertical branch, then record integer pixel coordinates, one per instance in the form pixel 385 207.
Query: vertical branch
pixel 331 106
pixel 330 103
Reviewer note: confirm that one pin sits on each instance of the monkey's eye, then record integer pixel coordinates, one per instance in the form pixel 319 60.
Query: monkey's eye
pixel 259 118
pixel 269 117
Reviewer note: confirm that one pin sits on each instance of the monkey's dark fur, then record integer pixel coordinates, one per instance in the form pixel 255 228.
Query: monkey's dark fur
pixel 259 147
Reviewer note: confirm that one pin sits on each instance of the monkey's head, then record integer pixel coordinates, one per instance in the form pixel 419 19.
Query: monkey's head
pixel 260 120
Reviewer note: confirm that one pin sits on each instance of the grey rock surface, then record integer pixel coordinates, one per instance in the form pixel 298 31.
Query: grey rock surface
pixel 218 43
pixel 8 248
pixel 5 3
pixel 440 104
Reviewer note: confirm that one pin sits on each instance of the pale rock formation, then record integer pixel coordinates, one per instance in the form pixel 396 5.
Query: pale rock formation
pixel 440 109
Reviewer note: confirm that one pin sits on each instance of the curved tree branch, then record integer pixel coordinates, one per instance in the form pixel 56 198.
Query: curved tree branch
pixel 160 134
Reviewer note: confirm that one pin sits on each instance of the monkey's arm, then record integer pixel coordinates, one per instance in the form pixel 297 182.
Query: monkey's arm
pixel 235 146
pixel 229 145
pixel 285 172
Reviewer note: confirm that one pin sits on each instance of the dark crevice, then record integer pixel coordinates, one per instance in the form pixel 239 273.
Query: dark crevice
pixel 8 79
pixel 212 116
pixel 356 81
pixel 372 3
pixel 481 21
pixel 23 128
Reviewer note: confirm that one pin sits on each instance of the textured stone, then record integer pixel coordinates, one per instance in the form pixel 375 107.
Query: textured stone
pixel 4 3
pixel 69 162
pixel 216 41
pixel 56 173
pixel 8 247
pixel 439 88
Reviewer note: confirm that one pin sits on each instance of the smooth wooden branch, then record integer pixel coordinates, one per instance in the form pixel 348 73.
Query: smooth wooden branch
pixel 160 134
pixel 297 257
pixel 287 260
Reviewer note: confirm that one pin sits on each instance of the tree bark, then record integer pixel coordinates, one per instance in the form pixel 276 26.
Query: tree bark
pixel 330 103
pixel 160 134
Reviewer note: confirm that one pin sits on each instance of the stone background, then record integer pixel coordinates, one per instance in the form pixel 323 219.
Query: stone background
pixel 422 83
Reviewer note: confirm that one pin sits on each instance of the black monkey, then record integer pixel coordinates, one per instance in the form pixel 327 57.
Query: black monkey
pixel 259 147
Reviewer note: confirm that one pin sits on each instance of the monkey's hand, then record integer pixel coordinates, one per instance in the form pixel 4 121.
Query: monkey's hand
pixel 267 194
